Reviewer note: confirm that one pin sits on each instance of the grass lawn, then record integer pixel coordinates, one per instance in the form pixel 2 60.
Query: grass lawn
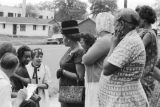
pixel 20 40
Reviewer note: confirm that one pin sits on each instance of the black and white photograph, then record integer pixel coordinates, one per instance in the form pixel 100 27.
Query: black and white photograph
pixel 79 53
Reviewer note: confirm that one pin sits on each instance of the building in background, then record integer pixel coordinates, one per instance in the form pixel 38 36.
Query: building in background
pixel 7 11
pixel 45 14
pixel 20 26
pixel 87 26
pixel 14 22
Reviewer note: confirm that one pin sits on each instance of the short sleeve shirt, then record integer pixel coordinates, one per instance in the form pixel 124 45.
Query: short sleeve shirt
pixel 5 91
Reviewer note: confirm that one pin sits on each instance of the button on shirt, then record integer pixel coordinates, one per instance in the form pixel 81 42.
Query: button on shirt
pixel 5 90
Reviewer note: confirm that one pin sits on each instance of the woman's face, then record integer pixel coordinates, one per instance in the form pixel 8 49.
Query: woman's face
pixel 26 57
pixel 82 42
pixel 66 41
pixel 37 60
pixel 141 23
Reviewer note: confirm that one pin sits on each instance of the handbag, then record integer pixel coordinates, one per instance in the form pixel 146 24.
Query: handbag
pixel 72 94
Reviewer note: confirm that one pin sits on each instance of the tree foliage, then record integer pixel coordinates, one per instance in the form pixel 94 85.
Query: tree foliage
pixel 46 5
pixel 72 9
pixel 102 5
pixel 157 7
pixel 30 10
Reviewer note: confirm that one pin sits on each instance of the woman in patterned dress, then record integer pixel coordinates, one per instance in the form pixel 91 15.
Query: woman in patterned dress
pixel 123 67
pixel 147 18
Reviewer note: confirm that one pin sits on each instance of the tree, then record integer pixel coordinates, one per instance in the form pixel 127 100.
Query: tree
pixel 56 29
pixel 49 5
pixel 102 5
pixel 30 10
pixel 72 9
pixel 157 7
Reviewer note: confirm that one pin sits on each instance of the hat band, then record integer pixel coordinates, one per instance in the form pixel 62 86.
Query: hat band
pixel 74 27
pixel 70 31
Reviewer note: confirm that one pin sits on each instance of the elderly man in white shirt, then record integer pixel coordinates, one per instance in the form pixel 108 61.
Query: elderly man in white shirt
pixel 8 65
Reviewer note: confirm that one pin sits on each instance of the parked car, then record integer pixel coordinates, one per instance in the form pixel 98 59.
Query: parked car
pixel 55 39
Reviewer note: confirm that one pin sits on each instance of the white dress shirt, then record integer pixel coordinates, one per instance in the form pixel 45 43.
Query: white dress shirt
pixel 5 90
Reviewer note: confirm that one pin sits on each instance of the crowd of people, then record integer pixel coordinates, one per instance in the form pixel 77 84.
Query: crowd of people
pixel 17 70
pixel 117 67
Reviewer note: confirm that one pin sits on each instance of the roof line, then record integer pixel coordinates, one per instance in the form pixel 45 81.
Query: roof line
pixel 86 20
pixel 23 23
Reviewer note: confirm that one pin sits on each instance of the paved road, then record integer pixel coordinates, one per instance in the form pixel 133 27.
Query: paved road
pixel 54 102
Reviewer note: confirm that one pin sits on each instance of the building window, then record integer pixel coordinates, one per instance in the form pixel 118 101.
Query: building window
pixel 10 14
pixel 41 17
pixel 4 26
pixel 19 15
pixel 15 14
pixel 22 27
pixel 44 27
pixel 34 27
pixel 1 13
pixel 47 17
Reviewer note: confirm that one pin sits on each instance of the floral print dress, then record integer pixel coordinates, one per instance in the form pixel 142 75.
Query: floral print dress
pixel 123 88
pixel 149 84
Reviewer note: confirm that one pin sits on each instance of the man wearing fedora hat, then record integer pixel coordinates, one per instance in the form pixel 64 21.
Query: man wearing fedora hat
pixel 71 68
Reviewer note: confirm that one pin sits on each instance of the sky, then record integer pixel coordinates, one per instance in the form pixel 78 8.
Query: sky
pixel 131 3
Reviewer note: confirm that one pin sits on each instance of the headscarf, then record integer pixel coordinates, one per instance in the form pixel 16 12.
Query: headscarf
pixel 105 22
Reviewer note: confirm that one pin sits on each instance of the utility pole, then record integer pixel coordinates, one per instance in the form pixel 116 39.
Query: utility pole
pixel 125 3
pixel 24 8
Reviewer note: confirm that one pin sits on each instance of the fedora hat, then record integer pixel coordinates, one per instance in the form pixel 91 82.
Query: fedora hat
pixel 69 27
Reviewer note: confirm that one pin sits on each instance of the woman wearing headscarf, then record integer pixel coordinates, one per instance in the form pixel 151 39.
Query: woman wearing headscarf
pixel 148 35
pixel 71 72
pixel 122 69
pixel 94 57
pixel 39 74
